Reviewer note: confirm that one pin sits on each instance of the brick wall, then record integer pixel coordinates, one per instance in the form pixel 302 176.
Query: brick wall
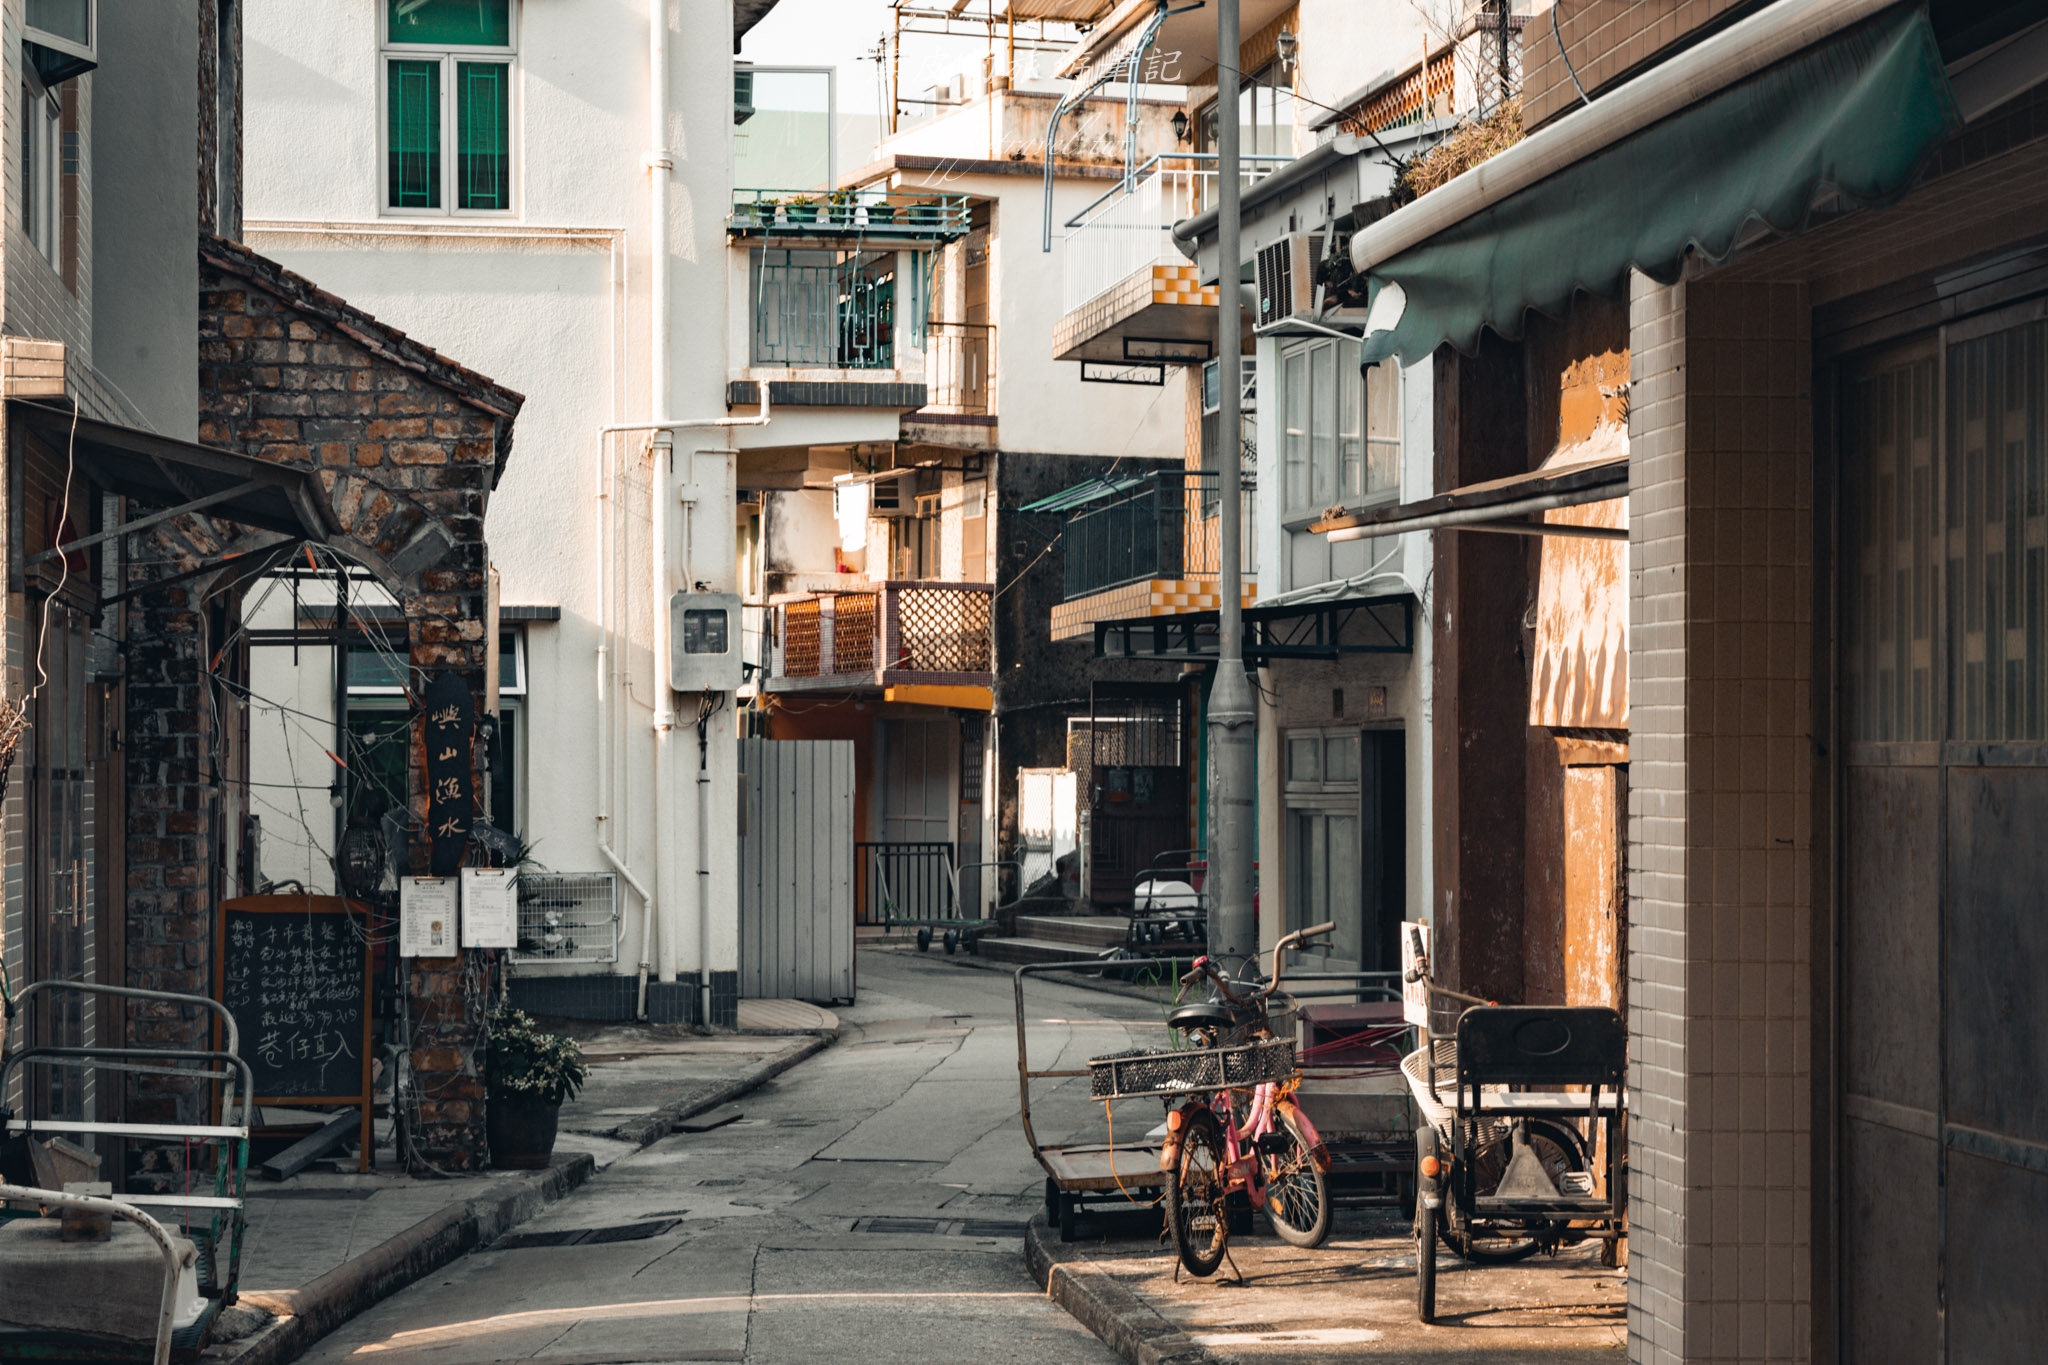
pixel 1720 433
pixel 407 446
pixel 1603 39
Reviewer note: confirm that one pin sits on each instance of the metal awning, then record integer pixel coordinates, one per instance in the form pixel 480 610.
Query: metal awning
pixel 1082 494
pixel 1307 630
pixel 177 477
pixel 1498 504
pixel 1805 110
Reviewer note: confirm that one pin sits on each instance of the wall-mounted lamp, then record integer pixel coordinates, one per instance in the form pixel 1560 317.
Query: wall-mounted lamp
pixel 1180 125
pixel 1286 46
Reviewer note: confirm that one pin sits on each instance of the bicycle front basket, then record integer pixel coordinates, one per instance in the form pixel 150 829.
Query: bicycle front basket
pixel 1123 1075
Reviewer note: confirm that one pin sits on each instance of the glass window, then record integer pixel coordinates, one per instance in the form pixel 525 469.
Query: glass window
pixel 1304 759
pixel 1340 431
pixel 41 152
pixel 448 115
pixel 441 23
pixel 67 22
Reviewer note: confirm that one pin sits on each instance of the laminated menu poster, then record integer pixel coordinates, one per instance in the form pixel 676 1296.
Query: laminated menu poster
pixel 426 917
pixel 294 973
pixel 490 907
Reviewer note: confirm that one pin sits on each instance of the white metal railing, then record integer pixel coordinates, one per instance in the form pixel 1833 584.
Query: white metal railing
pixel 1129 230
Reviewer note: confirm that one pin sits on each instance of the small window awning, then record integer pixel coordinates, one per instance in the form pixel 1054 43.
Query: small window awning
pixel 176 477
pixel 1082 494
pixel 1498 504
pixel 1758 132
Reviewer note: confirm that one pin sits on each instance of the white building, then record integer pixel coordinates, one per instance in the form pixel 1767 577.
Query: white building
pixel 493 177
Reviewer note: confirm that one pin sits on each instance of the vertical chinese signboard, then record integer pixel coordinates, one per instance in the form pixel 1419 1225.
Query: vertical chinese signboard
pixel 451 786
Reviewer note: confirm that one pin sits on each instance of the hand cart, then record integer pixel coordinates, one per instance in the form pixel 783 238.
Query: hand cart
pixel 211 1211
pixel 954 931
pixel 1168 903
pixel 1077 1174
pixel 1350 1039
pixel 1504 1167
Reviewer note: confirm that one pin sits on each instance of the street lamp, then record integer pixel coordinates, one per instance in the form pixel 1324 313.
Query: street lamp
pixel 1180 125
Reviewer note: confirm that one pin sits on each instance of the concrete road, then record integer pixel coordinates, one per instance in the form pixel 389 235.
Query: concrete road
pixel 869 1206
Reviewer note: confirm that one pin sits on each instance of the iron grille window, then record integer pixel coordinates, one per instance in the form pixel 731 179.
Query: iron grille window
pixel 448 105
pixel 825 309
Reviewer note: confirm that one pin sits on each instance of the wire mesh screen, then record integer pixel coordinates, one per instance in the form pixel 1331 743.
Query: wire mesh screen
pixel 943 630
pixel 1193 1069
pixel 568 917
pixel 1135 725
pixel 853 633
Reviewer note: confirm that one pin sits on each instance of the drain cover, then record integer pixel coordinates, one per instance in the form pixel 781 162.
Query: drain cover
pixel 983 1227
pixel 920 1225
pixel 573 1237
pixel 948 1227
pixel 723 1182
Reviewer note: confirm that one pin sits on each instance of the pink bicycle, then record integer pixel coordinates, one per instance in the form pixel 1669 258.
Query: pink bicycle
pixel 1271 1154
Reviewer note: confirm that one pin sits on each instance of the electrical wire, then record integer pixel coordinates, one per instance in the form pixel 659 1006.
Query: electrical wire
pixel 1558 33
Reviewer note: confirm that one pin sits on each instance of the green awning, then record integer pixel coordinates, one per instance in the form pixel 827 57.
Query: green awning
pixel 1848 123
pixel 1082 494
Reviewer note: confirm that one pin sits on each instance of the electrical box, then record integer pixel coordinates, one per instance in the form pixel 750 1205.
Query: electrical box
pixel 704 641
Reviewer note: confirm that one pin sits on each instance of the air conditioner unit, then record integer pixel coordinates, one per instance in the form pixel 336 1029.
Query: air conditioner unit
pixel 1289 272
pixel 894 495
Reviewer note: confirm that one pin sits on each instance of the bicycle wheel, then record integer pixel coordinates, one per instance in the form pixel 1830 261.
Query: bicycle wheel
pixel 1297 1196
pixel 1560 1151
pixel 1194 1197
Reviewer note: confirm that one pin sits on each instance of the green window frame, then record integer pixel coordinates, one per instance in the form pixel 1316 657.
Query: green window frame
pixel 448 97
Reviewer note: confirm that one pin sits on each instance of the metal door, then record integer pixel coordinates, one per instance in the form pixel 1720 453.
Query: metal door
pixel 1944 800
pixel 1137 784
pixel 796 869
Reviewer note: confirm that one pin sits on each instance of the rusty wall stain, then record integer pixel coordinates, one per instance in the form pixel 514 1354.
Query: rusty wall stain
pixel 1579 677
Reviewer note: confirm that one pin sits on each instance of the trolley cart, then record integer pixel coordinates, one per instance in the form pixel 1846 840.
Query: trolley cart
pixel 208 1212
pixel 1078 1174
pixel 954 931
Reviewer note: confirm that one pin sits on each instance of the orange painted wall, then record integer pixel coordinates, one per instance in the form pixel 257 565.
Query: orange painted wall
pixel 835 718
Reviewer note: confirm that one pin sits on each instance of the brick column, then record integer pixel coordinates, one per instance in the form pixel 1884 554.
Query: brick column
pixel 1720 432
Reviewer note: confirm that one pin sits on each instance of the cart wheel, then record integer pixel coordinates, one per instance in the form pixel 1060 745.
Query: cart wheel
pixel 1425 1264
pixel 952 942
pixel 924 939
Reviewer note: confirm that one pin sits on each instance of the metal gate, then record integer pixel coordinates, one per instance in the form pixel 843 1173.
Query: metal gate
pixel 1137 783
pixel 796 869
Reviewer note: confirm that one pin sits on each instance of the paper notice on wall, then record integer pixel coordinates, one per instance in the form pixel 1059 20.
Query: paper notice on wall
pixel 1415 973
pixel 426 916
pixel 490 907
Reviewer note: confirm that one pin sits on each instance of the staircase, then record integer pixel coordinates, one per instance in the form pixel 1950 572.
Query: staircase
pixel 1057 938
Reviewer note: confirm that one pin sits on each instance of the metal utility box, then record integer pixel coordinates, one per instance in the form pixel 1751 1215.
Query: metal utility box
pixel 704 641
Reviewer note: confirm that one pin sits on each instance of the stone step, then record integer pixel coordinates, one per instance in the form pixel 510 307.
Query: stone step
pixel 1090 931
pixel 1026 950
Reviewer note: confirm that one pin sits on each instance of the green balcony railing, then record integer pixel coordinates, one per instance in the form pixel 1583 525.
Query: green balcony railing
pixel 895 214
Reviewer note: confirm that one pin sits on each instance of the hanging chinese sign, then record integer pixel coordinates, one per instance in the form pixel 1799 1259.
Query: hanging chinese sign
pixel 451 785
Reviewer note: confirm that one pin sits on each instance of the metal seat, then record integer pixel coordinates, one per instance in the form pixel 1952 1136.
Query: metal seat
pixel 1205 1015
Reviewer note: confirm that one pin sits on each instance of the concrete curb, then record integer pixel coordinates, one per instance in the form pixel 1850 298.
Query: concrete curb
pixel 311 1311
pixel 1125 1323
pixel 651 1128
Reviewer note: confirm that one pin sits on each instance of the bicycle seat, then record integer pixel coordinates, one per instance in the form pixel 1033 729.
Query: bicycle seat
pixel 1207 1015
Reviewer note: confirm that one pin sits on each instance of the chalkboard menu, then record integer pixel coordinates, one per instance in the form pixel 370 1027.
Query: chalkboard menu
pixel 294 971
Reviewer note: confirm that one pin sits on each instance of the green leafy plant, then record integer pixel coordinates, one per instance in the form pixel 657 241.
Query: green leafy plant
pixel 522 1062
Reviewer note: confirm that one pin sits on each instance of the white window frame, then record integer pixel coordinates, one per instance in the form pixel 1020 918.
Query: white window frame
pixel 89 49
pixel 1323 456
pixel 41 206
pixel 448 56
pixel 517 687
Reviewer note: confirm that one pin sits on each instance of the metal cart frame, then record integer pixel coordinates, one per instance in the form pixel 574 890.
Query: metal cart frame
pixel 1078 1173
pixel 222 1208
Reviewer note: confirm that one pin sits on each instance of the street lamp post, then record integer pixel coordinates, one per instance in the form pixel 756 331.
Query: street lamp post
pixel 1231 719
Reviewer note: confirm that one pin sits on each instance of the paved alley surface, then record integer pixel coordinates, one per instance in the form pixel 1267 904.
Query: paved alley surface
pixel 869 1206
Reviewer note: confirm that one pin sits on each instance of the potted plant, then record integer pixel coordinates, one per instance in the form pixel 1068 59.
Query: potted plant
pixel 802 208
pixel 748 212
pixel 527 1075
pixel 881 212
pixel 841 204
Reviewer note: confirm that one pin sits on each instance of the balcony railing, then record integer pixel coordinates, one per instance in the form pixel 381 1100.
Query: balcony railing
pixel 1163 526
pixel 960 367
pixel 898 632
pixel 1129 229
pixel 836 316
pixel 896 214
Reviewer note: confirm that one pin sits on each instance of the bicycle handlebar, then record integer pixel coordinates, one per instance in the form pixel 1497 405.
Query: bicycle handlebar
pixel 1205 967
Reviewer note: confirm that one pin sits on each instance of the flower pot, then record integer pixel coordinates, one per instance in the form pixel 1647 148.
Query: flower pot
pixel 881 214
pixel 802 213
pixel 521 1131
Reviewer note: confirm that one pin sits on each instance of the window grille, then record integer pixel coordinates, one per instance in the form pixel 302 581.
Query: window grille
pixel 568 917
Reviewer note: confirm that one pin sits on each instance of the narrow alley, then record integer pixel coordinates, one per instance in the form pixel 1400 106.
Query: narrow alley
pixel 869 1206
